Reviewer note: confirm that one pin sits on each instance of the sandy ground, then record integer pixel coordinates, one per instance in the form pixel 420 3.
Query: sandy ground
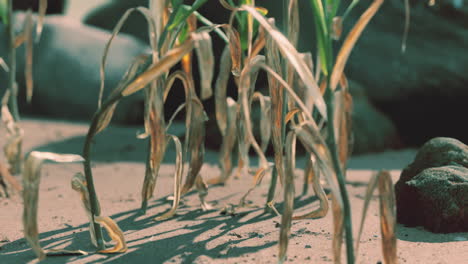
pixel 194 236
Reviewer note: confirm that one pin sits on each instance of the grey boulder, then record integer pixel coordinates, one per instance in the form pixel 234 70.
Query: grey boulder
pixel 433 190
pixel 66 70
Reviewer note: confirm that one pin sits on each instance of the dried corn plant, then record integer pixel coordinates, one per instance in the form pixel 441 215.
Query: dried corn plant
pixel 10 114
pixel 173 36
pixel 330 146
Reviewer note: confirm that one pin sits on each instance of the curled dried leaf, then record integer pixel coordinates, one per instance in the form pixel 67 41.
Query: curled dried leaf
pixel 236 51
pixel 383 181
pixel 227 146
pixel 350 41
pixel 265 123
pixel 312 173
pixel 177 178
pixel 79 184
pixel 293 57
pixel 205 57
pixel 221 102
pixel 31 180
pixel 172 57
pixel 114 232
pixel 195 146
pixel 152 28
pixel 12 148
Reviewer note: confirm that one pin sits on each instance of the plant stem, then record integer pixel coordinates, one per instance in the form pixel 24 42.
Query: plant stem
pixel 12 102
pixel 274 175
pixel 331 142
pixel 94 202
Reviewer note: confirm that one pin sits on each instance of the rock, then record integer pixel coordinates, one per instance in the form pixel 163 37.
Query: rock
pixel 372 130
pixel 66 70
pixel 423 90
pixel 433 190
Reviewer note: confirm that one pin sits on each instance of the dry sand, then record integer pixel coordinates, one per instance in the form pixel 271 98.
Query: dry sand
pixel 194 236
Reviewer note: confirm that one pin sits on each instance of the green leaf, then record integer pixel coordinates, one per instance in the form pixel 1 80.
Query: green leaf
pixel 4 11
pixel 322 35
pixel 181 15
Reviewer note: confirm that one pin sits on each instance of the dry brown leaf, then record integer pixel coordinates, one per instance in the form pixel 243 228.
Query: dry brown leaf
pixel 265 120
pixel 195 147
pixel 106 113
pixel 383 181
pixel 293 57
pixel 31 180
pixel 387 218
pixel 227 146
pixel 9 179
pixel 337 28
pixel 236 51
pixel 179 164
pixel 350 41
pixel 12 148
pixel 220 91
pixel 146 13
pixel 205 57
pixel 312 173
pixel 172 57
pixel 79 184
pixel 28 69
pixel 114 232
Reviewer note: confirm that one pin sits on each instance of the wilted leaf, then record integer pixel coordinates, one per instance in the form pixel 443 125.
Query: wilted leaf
pixel 293 57
pixel 383 180
pixel 220 91
pixel 350 41
pixel 337 28
pixel 205 56
pixel 387 218
pixel 114 232
pixel 6 176
pixel 227 146
pixel 236 51
pixel 265 120
pixel 31 180
pixel 172 57
pixel 312 172
pixel 28 70
pixel 79 184
pixel 195 147
pixel 12 148
pixel 152 28
pixel 177 178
